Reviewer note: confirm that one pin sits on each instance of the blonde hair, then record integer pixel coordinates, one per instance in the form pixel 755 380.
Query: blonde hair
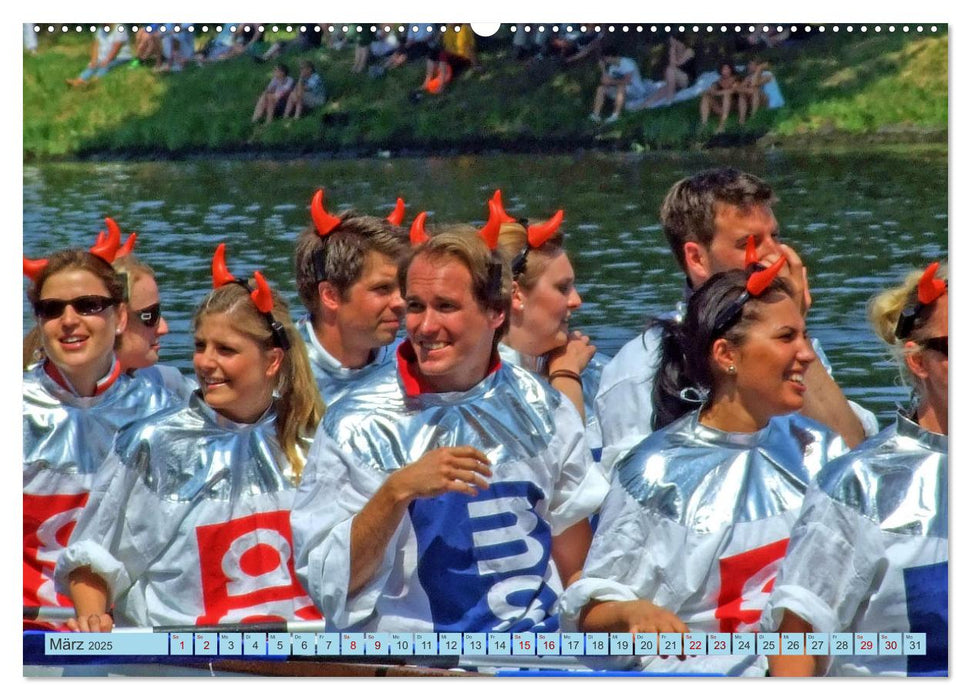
pixel 884 311
pixel 513 237
pixel 130 269
pixel 299 407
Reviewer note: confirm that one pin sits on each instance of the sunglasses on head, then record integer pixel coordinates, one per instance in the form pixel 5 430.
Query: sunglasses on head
pixel 939 344
pixel 150 315
pixel 88 305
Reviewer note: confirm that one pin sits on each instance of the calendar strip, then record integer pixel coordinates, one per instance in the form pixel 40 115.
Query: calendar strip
pixel 478 644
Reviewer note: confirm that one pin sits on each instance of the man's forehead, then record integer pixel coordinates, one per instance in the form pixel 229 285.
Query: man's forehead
pixel 732 218
pixel 442 278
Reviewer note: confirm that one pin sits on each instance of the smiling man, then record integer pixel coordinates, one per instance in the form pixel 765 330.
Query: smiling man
pixel 708 220
pixel 435 492
pixel 347 278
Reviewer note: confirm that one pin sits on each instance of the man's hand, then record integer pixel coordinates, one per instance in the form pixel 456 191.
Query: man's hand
pixel 797 277
pixel 456 469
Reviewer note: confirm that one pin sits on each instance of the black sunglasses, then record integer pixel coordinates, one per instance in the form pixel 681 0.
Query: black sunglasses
pixel 939 344
pixel 150 315
pixel 88 305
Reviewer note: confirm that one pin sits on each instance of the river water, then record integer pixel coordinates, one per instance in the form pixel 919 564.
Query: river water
pixel 859 219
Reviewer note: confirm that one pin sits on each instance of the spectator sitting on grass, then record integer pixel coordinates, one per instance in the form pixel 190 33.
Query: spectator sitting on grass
pixel 109 50
pixel 681 71
pixel 148 44
pixel 178 47
pixel 620 80
pixel 308 93
pixel 456 54
pixel 760 88
pixel 718 98
pixel 418 45
pixel 274 97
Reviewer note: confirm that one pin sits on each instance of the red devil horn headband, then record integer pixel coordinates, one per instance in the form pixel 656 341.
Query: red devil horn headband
pixel 417 233
pixel 220 274
pixel 33 268
pixel 759 281
pixel 398 215
pixel 504 218
pixel 751 254
pixel 323 222
pixel 106 247
pixel 490 232
pixel 261 295
pixel 538 234
pixel 929 288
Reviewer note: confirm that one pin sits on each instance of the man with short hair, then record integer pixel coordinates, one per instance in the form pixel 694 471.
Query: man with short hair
pixel 435 492
pixel 347 278
pixel 620 80
pixel 708 219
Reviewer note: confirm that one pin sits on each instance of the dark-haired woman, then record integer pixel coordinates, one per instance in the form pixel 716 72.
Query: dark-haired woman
pixel 75 400
pixel 869 550
pixel 190 523
pixel 699 513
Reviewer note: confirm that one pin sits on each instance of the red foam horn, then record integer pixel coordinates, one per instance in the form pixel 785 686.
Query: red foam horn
pixel 417 233
pixel 220 274
pixel 107 249
pixel 504 218
pixel 929 288
pixel 538 234
pixel 751 254
pixel 33 268
pixel 759 281
pixel 324 222
pixel 261 295
pixel 398 215
pixel 490 232
pixel 128 246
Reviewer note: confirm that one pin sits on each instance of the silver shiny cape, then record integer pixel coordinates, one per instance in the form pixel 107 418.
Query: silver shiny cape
pixel 65 441
pixel 624 403
pixel 869 552
pixel 590 380
pixel 706 479
pixel 180 385
pixel 455 562
pixel 898 479
pixel 333 379
pixel 697 522
pixel 186 498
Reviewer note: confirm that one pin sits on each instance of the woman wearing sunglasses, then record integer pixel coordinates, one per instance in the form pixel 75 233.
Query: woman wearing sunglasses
pixel 190 523
pixel 138 351
pixel 869 551
pixel 74 400
pixel 698 515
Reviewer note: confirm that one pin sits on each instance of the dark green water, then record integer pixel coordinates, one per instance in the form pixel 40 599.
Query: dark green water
pixel 859 220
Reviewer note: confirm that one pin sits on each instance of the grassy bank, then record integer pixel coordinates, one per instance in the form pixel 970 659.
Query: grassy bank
pixel 883 87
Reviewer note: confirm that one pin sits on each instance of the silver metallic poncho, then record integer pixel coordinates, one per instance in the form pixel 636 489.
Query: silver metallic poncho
pixel 590 380
pixel 66 439
pixel 455 563
pixel 333 379
pixel 190 523
pixel 869 550
pixel 697 521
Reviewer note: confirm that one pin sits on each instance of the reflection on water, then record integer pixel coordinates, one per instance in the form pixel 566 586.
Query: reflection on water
pixel 859 221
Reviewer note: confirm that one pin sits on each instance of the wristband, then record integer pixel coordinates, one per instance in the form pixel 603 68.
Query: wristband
pixel 568 373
